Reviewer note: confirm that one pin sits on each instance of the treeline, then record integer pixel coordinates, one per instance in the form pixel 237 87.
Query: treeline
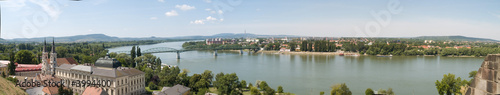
pixel 319 46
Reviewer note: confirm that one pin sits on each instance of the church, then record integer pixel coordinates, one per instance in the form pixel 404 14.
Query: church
pixel 120 80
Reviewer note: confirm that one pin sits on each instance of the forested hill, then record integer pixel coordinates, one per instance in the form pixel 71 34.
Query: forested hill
pixel 103 37
pixel 454 38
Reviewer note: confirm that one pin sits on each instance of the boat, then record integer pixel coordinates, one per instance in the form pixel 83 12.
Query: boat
pixel 341 54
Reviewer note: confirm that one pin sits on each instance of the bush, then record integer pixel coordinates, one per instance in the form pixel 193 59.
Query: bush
pixel 369 91
pixel 152 86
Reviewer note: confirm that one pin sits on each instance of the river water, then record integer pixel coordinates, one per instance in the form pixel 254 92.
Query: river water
pixel 311 74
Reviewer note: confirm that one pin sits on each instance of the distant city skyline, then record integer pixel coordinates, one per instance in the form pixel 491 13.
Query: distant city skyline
pixel 321 18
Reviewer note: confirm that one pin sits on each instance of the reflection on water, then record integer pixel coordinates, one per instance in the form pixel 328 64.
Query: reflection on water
pixel 310 74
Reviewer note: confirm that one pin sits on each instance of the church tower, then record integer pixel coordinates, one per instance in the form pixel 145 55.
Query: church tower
pixel 53 58
pixel 45 63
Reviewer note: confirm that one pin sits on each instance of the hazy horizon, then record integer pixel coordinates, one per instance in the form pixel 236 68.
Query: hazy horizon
pixel 315 18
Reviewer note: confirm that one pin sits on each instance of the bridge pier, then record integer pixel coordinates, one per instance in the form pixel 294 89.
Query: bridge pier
pixel 241 51
pixel 178 55
pixel 215 52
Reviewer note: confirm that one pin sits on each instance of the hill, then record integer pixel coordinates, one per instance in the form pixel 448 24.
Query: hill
pixel 8 88
pixel 102 37
pixel 455 38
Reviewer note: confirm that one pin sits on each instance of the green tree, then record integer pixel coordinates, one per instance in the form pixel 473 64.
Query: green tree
pixel 152 86
pixel 11 66
pixel 254 91
pixel 389 91
pixel 322 93
pixel 138 51
pixel 208 76
pixel 244 83
pixel 280 89
pixel 63 91
pixel 132 52
pixel 25 57
pixel 340 89
pixel 227 83
pixel 61 51
pixel 449 85
pixel 472 74
pixel 369 91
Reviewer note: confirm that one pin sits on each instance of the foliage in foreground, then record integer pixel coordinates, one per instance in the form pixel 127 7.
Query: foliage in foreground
pixel 340 89
pixel 449 85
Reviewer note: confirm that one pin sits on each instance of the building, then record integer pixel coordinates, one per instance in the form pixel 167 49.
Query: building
pixel 122 80
pixel 118 80
pixel 94 91
pixel 175 90
pixel 3 69
pixel 485 82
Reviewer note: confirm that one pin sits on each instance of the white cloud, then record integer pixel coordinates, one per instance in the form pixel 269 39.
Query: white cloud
pixel 210 18
pixel 208 1
pixel 208 9
pixel 220 12
pixel 185 7
pixel 172 13
pixel 198 22
pixel 153 18
pixel 161 1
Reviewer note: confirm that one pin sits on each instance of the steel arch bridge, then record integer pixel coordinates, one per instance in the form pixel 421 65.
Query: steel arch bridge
pixel 178 51
pixel 157 50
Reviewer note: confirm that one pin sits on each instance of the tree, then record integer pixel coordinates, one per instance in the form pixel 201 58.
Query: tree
pixel 61 51
pixel 254 91
pixel 389 91
pixel 25 57
pixel 449 85
pixel 138 51
pixel 63 91
pixel 11 65
pixel 227 83
pixel 340 89
pixel 472 74
pixel 132 52
pixel 280 89
pixel 322 93
pixel 267 90
pixel 369 91
pixel 208 76
pixel 244 83
pixel 152 86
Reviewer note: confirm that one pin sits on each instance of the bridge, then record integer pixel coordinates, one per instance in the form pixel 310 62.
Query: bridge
pixel 178 51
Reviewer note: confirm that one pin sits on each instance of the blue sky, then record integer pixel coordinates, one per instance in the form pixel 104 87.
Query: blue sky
pixel 330 18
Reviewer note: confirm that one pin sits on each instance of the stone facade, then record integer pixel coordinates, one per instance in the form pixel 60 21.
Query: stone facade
pixel 486 80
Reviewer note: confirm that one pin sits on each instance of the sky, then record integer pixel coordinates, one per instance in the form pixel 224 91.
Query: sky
pixel 319 18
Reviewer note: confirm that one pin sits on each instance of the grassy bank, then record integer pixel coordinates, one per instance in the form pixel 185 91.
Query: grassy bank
pixel 8 88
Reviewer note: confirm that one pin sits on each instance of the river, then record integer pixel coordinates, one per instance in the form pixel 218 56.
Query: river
pixel 311 74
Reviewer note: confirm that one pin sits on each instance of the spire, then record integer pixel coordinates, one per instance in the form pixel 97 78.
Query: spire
pixel 53 46
pixel 44 44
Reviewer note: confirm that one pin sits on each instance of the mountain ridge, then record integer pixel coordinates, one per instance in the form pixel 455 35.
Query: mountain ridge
pixel 103 37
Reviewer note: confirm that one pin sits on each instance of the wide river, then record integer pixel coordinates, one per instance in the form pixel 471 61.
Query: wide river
pixel 311 74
